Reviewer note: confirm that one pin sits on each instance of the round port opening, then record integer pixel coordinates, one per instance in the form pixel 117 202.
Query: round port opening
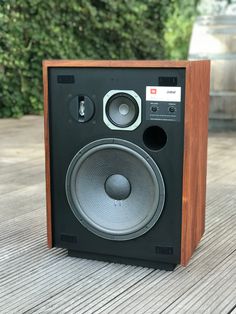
pixel 154 138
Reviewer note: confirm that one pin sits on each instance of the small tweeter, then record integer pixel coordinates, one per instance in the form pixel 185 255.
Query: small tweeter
pixel 122 110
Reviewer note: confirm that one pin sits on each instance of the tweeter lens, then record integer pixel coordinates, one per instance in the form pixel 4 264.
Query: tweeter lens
pixel 122 110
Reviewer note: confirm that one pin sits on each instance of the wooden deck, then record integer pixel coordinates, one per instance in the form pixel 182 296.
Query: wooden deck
pixel 34 279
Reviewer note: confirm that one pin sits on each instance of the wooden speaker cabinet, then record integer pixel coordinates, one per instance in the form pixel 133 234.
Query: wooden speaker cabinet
pixel 126 158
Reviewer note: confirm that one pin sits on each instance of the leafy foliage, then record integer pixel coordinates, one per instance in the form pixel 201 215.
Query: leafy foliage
pixel 33 30
pixel 178 28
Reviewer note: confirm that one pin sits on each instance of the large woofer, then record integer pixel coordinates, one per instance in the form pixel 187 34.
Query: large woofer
pixel 115 189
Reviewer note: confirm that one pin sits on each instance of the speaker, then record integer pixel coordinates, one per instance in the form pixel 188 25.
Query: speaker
pixel 126 152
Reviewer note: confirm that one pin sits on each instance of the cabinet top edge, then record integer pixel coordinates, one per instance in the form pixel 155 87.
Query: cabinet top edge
pixel 121 63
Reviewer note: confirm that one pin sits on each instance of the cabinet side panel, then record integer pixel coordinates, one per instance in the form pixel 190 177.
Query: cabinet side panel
pixel 195 156
pixel 47 156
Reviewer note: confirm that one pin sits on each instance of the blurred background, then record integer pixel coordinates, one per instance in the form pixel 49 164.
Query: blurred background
pixel 33 30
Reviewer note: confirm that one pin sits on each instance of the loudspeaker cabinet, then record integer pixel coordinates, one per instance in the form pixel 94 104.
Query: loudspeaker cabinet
pixel 126 158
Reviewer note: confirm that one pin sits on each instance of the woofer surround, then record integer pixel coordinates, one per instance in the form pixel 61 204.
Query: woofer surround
pixel 115 189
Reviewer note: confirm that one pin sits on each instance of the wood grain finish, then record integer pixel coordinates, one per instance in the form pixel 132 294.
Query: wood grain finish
pixel 195 156
pixel 47 157
pixel 115 63
pixel 195 141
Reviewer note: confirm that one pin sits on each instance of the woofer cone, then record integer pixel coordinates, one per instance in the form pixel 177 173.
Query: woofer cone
pixel 115 189
pixel 122 110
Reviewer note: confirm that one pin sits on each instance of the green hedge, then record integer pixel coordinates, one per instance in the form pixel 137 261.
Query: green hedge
pixel 33 30
pixel 178 29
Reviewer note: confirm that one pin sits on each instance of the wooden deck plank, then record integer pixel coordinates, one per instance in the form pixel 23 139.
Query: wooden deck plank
pixel 24 178
pixel 53 302
pixel 153 294
pixel 22 201
pixel 233 310
pixel 34 279
pixel 116 277
pixel 203 297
